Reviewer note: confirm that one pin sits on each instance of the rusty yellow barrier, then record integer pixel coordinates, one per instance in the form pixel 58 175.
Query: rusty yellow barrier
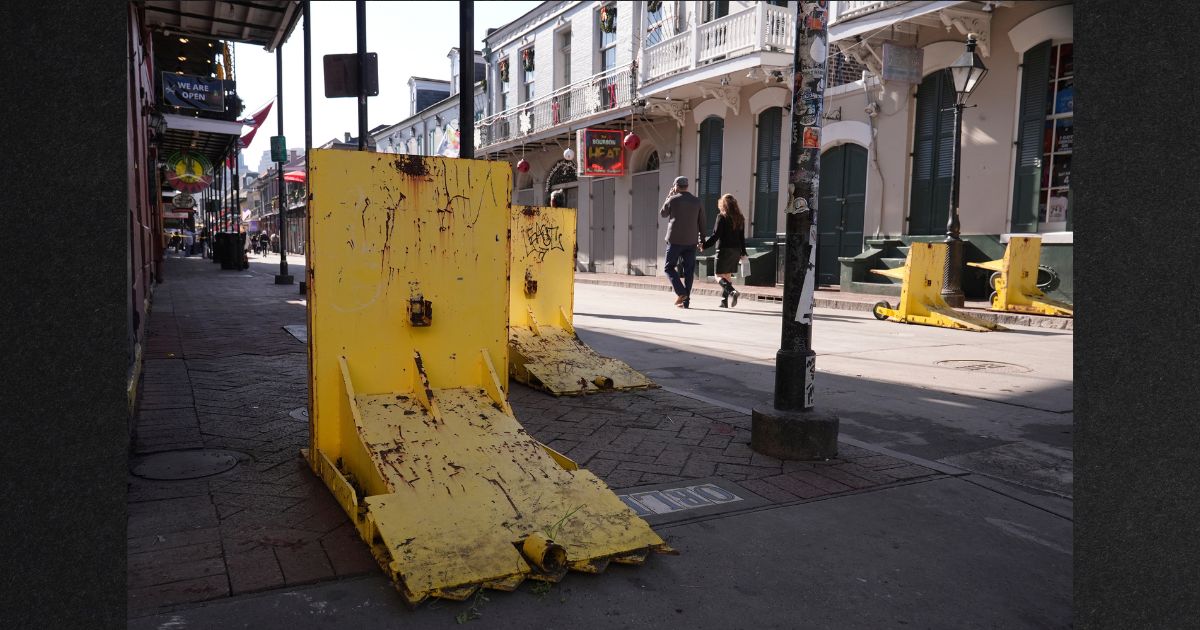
pixel 921 299
pixel 1014 280
pixel 545 352
pixel 411 428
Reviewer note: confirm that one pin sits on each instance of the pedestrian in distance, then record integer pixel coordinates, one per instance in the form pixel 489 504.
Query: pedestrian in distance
pixel 685 236
pixel 730 239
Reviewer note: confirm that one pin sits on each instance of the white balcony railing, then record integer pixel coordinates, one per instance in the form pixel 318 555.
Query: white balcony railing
pixel 612 89
pixel 762 27
pixel 845 10
pixel 669 56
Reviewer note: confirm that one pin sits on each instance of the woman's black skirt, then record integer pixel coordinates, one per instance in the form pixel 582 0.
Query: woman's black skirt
pixel 727 260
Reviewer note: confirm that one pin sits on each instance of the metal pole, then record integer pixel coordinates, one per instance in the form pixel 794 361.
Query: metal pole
pixel 307 130
pixel 952 271
pixel 237 188
pixel 360 10
pixel 466 79
pixel 792 429
pixel 282 277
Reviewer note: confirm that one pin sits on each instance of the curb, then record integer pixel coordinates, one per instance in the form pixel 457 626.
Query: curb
pixel 747 293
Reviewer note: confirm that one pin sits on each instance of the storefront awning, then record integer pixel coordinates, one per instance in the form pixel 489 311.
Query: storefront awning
pixel 211 138
pixel 266 23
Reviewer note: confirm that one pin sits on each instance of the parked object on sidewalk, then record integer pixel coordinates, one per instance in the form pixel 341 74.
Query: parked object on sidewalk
pixel 544 351
pixel 1014 280
pixel 411 427
pixel 920 296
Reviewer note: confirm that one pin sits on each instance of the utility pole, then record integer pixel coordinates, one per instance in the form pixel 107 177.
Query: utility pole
pixel 282 277
pixel 360 13
pixel 466 79
pixel 792 428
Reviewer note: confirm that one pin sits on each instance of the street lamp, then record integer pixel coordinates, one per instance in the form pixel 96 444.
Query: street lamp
pixel 967 72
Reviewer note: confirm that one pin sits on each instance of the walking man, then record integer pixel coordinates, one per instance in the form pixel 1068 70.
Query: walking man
pixel 685 235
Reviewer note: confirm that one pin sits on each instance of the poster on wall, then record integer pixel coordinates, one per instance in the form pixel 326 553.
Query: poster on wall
pixel 600 152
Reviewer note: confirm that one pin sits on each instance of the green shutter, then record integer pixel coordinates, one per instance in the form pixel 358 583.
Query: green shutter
pixel 712 133
pixel 933 157
pixel 1035 73
pixel 766 169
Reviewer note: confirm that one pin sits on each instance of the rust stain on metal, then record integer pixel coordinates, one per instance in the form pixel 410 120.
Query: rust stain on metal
pixel 411 165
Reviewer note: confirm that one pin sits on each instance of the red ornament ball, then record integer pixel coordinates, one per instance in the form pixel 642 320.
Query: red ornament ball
pixel 523 166
pixel 632 141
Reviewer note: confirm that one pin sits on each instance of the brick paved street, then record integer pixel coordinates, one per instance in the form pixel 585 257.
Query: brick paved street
pixel 221 373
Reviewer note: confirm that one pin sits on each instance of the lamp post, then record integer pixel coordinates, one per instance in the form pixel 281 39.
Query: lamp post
pixel 967 71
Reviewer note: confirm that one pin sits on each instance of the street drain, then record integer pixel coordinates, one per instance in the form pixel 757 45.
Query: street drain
pixel 187 464
pixel 979 365
pixel 299 413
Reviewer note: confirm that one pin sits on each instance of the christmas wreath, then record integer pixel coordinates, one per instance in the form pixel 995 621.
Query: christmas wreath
pixel 608 19
pixel 503 70
pixel 527 59
pixel 653 7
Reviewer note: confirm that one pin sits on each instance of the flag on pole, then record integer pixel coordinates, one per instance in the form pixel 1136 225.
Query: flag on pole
pixel 254 122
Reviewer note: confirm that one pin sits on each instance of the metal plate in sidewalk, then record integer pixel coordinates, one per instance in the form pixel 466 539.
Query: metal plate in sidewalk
pixel 678 501
pixel 187 464
pixel 982 365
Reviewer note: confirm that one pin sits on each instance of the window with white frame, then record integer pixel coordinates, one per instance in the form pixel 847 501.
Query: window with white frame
pixel 1054 193
pixel 527 74
pixel 607 49
pixel 1042 177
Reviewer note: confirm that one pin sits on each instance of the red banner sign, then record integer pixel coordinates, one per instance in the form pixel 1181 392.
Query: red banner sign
pixel 601 152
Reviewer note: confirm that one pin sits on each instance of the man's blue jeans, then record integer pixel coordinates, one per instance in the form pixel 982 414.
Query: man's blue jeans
pixel 684 256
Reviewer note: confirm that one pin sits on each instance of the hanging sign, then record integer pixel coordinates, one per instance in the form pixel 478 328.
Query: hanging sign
pixel 193 92
pixel 188 172
pixel 902 63
pixel 183 201
pixel 600 152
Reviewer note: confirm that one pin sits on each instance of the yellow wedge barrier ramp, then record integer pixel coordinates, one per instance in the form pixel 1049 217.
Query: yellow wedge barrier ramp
pixel 544 350
pixel 411 428
pixel 921 293
pixel 1014 280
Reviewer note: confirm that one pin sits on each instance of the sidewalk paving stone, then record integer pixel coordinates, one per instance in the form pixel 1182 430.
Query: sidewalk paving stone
pixel 220 372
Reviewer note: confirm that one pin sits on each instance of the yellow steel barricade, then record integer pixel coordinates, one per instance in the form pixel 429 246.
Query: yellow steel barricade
pixel 544 350
pixel 411 428
pixel 921 299
pixel 1014 280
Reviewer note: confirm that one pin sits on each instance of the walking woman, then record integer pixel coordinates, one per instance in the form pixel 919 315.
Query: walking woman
pixel 729 236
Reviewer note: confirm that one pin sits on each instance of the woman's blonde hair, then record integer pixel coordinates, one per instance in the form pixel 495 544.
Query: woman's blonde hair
pixel 729 207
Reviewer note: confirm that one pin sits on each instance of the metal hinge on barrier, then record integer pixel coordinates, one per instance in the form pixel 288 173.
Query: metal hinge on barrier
pixel 420 311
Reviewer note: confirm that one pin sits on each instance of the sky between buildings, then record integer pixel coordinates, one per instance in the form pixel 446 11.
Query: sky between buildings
pixel 411 39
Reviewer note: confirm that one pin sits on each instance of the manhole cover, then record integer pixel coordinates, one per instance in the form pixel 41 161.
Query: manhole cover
pixel 192 464
pixel 299 413
pixel 979 365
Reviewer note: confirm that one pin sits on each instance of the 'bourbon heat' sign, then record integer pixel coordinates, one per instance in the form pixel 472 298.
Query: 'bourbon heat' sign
pixel 600 152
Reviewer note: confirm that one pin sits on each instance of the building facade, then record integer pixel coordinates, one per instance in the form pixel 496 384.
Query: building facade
pixel 432 128
pixel 704 87
pixel 887 164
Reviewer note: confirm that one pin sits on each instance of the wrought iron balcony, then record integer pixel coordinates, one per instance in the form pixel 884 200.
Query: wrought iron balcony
pixel 609 90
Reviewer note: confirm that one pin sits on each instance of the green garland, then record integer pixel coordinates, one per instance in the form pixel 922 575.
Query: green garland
pixel 503 70
pixel 608 19
pixel 653 7
pixel 527 59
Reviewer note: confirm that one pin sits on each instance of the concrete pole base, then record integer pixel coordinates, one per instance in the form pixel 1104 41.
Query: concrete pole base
pixel 794 435
pixel 282 279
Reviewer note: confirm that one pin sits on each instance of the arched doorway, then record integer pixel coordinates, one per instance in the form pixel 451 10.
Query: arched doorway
pixel 562 176
pixel 766 172
pixel 933 155
pixel 840 209
pixel 708 186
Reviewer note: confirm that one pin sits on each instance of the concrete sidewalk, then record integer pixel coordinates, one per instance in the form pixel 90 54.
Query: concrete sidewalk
pixel 868 539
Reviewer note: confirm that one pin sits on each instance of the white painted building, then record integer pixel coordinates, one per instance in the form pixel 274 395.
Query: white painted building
pixel 704 85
